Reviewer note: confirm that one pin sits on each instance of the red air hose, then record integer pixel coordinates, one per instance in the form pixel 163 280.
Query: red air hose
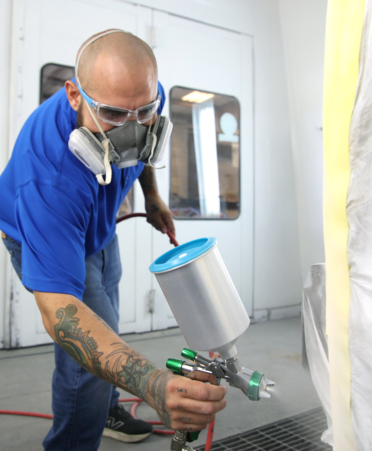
pixel 136 401
pixel 26 414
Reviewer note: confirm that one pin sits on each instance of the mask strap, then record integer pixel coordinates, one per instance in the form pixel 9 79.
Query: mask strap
pixel 95 120
pixel 107 164
pixel 106 146
pixel 154 142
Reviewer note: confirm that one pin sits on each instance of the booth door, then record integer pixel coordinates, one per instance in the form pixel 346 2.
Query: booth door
pixel 208 179
pixel 47 32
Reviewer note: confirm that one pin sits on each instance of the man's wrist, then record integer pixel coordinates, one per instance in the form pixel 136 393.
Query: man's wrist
pixel 156 392
pixel 150 193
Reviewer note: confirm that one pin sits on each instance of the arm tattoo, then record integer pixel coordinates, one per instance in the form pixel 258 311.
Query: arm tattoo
pixel 74 341
pixel 123 367
pixel 130 373
pixel 147 180
pixel 154 208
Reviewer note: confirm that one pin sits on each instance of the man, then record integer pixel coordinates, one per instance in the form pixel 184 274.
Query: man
pixel 58 223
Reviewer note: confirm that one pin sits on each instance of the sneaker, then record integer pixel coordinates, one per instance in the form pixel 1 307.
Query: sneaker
pixel 122 426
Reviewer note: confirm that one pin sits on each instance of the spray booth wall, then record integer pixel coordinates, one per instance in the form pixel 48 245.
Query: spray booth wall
pixel 287 143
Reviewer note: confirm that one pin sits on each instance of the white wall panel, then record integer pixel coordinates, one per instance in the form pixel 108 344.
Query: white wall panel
pixel 5 47
pixel 235 15
pixel 303 28
pixel 277 263
pixel 277 258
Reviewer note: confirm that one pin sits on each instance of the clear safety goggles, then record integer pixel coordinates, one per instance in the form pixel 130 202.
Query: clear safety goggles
pixel 119 116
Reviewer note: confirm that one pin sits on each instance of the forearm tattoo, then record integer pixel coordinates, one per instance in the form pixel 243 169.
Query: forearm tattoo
pixel 122 367
pixel 154 208
pixel 74 341
pixel 147 180
pixel 126 368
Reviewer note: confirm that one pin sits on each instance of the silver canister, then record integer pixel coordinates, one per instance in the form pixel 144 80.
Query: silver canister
pixel 202 296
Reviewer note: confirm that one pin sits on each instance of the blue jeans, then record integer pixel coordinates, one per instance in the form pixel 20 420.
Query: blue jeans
pixel 81 401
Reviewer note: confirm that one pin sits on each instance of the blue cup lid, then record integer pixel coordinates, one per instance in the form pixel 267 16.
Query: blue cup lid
pixel 183 254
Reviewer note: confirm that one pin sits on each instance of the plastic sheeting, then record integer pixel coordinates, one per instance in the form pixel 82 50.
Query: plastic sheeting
pixel 314 343
pixel 359 214
pixel 341 72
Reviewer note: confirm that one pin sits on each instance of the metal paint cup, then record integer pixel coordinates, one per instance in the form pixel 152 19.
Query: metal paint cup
pixel 202 296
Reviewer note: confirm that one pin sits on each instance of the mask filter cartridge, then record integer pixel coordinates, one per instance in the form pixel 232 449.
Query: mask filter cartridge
pixel 128 144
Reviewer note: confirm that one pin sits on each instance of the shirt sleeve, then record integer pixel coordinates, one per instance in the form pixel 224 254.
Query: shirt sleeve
pixel 52 226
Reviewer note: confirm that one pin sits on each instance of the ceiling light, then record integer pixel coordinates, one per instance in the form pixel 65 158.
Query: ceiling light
pixel 197 97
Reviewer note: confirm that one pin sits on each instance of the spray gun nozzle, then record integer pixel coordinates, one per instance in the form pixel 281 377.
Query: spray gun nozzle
pixel 269 383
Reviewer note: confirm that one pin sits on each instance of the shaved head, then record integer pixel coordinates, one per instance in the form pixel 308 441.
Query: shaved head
pixel 118 51
pixel 114 68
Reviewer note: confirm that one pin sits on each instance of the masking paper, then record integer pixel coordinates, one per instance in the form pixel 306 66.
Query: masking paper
pixel 343 39
pixel 359 214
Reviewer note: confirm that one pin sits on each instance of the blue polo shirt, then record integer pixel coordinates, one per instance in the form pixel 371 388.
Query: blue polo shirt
pixel 53 205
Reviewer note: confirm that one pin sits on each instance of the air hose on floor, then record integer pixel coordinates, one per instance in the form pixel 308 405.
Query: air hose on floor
pixel 136 401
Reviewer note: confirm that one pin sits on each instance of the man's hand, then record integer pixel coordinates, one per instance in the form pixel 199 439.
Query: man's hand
pixel 185 404
pixel 158 213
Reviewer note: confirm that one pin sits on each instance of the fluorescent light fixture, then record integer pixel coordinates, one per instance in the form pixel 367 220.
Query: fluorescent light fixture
pixel 204 128
pixel 197 97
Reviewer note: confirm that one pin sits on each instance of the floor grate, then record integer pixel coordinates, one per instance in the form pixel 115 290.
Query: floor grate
pixel 300 433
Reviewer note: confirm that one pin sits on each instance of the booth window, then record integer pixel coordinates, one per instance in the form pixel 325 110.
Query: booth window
pixel 205 155
pixel 52 79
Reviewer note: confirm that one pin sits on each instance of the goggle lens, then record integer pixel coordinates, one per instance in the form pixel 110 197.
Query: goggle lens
pixel 119 117
pixel 145 114
pixel 112 115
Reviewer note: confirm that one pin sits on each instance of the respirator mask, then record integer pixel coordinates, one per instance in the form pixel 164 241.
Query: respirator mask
pixel 124 145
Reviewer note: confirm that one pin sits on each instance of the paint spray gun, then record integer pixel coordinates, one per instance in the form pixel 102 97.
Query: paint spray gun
pixel 253 384
pixel 211 316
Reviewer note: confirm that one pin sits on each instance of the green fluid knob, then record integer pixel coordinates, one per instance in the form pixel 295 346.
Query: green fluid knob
pixel 188 354
pixel 254 386
pixel 175 365
pixel 192 436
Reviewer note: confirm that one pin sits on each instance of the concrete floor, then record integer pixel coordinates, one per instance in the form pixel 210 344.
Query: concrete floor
pixel 271 347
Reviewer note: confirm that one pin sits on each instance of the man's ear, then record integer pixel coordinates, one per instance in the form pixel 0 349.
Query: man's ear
pixel 73 94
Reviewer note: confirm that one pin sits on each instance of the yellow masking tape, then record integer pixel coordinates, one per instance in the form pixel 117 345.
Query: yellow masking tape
pixel 343 37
